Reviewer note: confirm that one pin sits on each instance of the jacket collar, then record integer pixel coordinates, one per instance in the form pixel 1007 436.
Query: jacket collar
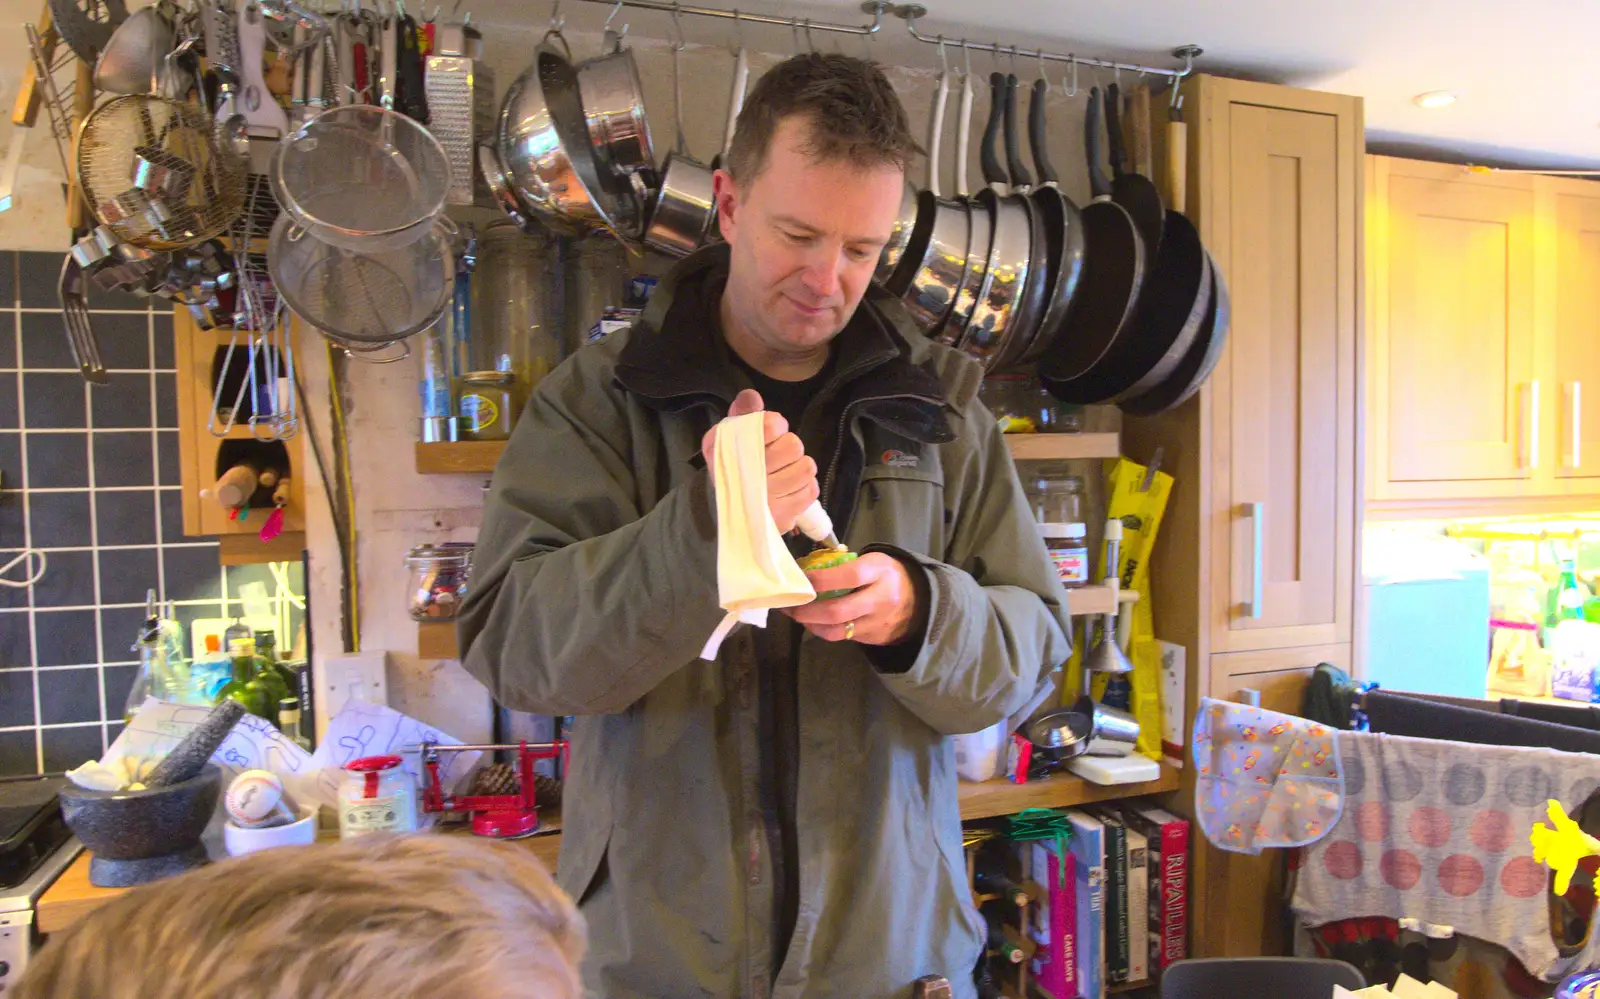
pixel 675 359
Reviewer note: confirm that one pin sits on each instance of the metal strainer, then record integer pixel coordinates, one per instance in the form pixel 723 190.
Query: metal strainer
pixel 151 172
pixel 364 298
pixel 361 177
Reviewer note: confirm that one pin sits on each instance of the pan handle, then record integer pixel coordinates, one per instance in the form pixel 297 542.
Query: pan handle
pixel 1037 137
pixel 963 134
pixel 1021 180
pixel 1114 129
pixel 941 98
pixel 1098 184
pixel 993 174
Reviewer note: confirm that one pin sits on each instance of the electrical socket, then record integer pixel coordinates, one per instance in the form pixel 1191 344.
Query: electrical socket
pixel 359 676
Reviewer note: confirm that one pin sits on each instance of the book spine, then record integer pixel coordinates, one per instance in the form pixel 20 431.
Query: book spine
pixel 1174 891
pixel 1116 904
pixel 1066 930
pixel 1138 907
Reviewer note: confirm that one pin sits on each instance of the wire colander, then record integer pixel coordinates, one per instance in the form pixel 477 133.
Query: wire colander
pixel 371 297
pixel 361 177
pixel 152 172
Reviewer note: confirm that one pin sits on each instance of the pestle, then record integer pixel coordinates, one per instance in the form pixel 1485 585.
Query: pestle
pixel 190 755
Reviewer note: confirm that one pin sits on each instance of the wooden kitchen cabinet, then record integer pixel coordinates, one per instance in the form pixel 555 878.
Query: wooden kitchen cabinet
pixel 1483 309
pixel 1255 568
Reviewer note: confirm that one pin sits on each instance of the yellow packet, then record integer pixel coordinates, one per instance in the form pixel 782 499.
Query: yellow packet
pixel 1140 511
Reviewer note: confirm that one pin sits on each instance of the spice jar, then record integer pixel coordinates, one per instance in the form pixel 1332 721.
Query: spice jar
pixel 377 795
pixel 1021 405
pixel 488 405
pixel 438 579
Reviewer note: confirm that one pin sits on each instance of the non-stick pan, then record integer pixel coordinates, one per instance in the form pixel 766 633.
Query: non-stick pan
pixel 1063 231
pixel 1197 364
pixel 1113 269
pixel 1173 304
pixel 1130 189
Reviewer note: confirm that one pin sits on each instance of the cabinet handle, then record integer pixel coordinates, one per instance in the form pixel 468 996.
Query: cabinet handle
pixel 1575 433
pixel 1530 425
pixel 1257 512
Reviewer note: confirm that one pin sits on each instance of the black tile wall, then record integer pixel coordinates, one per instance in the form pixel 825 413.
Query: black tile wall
pixel 90 476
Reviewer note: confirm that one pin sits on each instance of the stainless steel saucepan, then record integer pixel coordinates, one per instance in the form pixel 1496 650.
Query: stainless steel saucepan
pixel 680 217
pixel 942 263
pixel 613 109
pixel 975 268
pixel 1006 280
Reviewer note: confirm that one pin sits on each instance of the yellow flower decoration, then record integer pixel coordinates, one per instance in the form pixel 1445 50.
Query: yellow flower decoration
pixel 1561 848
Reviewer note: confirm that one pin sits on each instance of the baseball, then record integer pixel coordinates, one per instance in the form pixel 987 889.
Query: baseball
pixel 253 799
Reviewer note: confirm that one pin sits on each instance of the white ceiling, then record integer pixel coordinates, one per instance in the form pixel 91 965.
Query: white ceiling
pixel 1527 72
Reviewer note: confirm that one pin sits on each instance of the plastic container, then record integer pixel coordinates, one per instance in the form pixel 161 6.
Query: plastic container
pixel 489 406
pixel 377 796
pixel 438 580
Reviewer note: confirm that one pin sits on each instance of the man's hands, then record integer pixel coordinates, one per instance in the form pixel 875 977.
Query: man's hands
pixel 881 609
pixel 791 473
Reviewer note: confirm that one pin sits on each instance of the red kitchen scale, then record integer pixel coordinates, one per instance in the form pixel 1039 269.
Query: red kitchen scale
pixel 502 816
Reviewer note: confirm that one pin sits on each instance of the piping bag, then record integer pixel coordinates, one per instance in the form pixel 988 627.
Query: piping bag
pixel 755 572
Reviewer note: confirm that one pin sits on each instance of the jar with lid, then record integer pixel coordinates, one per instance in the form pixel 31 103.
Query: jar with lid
pixel 438 579
pixel 1058 499
pixel 490 405
pixel 512 305
pixel 376 795
pixel 597 283
pixel 1021 405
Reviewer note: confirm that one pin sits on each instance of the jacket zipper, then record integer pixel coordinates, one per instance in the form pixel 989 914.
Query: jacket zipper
pixel 844 419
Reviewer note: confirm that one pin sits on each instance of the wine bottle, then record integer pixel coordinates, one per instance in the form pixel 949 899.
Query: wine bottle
pixel 989 878
pixel 1001 946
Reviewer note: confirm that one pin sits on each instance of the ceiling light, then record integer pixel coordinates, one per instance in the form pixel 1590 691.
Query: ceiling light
pixel 1434 99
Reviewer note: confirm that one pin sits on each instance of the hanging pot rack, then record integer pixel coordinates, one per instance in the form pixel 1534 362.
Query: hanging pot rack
pixel 910 13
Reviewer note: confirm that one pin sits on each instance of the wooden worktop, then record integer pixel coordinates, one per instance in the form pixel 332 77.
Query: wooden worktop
pixel 72 896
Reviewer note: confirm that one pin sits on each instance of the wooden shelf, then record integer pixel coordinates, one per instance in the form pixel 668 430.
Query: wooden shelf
pixel 466 457
pixel 1001 797
pixel 1061 447
pixel 458 458
pixel 249 549
pixel 437 639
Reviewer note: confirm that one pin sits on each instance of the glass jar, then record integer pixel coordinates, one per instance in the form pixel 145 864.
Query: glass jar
pixel 489 406
pixel 436 382
pixel 438 579
pixel 1058 499
pixel 1021 405
pixel 597 281
pixel 377 795
pixel 512 305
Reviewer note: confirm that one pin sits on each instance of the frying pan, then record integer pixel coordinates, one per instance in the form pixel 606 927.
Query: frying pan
pixel 1196 365
pixel 1023 325
pixel 1133 191
pixel 1113 269
pixel 1173 303
pixel 993 173
pixel 1021 181
pixel 980 243
pixel 1063 231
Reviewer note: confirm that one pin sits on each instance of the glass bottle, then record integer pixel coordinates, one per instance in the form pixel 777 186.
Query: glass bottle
pixel 436 382
pixel 289 722
pixel 510 308
pixel 246 686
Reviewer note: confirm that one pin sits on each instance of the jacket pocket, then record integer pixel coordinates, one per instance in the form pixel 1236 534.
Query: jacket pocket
pixel 903 507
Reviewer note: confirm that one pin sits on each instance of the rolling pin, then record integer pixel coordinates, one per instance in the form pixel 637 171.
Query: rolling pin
pixel 236 486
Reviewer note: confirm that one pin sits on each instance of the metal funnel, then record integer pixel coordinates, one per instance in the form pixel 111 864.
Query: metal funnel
pixel 1106 656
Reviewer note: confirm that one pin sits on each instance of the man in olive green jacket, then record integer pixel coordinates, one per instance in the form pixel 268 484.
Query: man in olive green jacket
pixel 782 821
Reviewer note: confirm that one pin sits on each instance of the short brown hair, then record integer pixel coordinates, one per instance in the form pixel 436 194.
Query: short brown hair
pixel 376 917
pixel 853 114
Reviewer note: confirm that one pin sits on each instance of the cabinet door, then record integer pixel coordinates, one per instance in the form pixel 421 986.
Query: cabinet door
pixel 1455 389
pixel 1577 332
pixel 1283 450
pixel 1243 911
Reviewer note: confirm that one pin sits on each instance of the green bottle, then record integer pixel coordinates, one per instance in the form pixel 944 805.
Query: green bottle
pixel 267 662
pixel 246 686
pixel 1569 596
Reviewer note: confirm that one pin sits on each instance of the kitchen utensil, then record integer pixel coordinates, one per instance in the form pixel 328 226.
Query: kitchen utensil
pixel 1063 231
pixel 942 265
pixel 254 101
pixel 362 178
pixel 988 155
pixel 1133 191
pixel 683 209
pixel 1031 295
pixel 612 98
pixel 460 104
pixel 1113 269
pixel 1021 180
pixel 57 109
pixel 136 54
pixel 412 99
pixel 545 148
pixel 370 298
pixel 133 142
pixel 86 25
pixel 978 259
pixel 82 108
pixel 189 756
pixel 75 316
pixel 964 125
pixel 1114 732
pixel 503 816
pixel 1197 364
pixel 1107 656
pixel 494 175
pixel 1067 731
pixel 741 78
pixel 941 98
pixel 219 23
pixel 905 222
pixel 1003 303
pixel 136 837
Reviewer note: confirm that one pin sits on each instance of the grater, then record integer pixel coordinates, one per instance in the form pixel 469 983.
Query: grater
pixel 461 108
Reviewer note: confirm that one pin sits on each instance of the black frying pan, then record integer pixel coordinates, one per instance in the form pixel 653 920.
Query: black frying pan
pixel 1133 191
pixel 1173 304
pixel 993 173
pixel 1021 180
pixel 1063 230
pixel 1113 269
pixel 1196 365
